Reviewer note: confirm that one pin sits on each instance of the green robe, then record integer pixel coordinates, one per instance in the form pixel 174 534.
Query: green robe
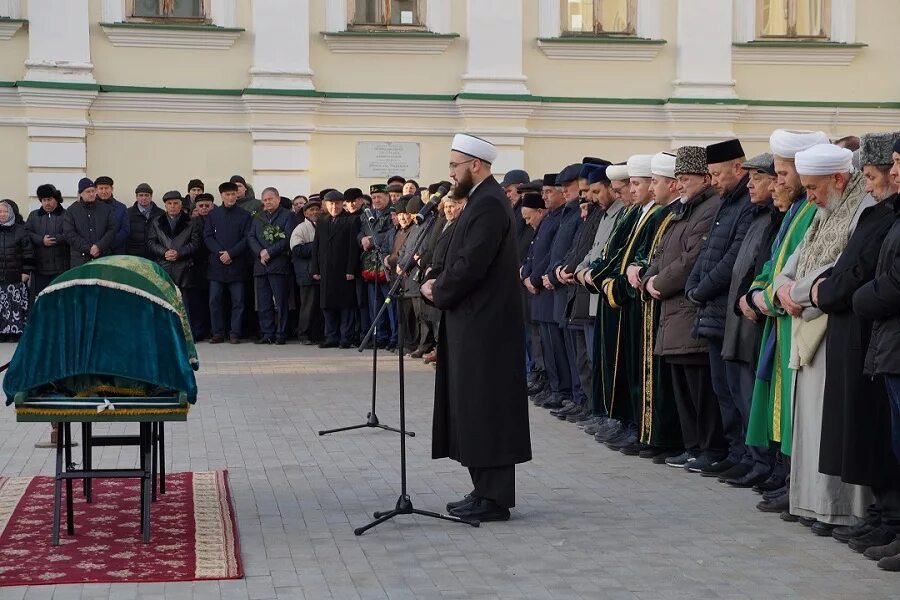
pixel 770 410
pixel 607 384
pixel 618 294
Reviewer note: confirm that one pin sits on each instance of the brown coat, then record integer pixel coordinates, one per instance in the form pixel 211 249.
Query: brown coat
pixel 675 257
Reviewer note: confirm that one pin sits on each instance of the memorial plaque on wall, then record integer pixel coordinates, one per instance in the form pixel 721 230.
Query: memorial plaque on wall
pixel 383 159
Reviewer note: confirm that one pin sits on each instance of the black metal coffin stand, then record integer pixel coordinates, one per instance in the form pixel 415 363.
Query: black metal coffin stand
pixel 404 505
pixel 372 417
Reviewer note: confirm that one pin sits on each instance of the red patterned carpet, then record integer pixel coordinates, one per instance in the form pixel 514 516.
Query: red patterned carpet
pixel 193 532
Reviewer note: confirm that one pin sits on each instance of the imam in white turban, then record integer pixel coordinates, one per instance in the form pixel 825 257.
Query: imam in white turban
pixel 474 147
pixel 663 165
pixel 639 165
pixel 786 143
pixel 824 159
pixel 617 172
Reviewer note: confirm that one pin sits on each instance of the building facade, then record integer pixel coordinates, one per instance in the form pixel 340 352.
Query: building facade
pixel 288 92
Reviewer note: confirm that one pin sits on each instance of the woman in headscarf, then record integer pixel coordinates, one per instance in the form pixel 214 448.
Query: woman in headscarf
pixel 16 263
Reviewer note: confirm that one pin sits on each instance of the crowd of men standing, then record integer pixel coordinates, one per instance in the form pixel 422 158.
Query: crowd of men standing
pixel 737 318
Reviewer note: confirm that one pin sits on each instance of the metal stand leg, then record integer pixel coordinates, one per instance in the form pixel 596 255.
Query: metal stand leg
pixel 87 457
pixel 146 445
pixel 57 487
pixel 162 457
pixel 70 508
pixel 154 428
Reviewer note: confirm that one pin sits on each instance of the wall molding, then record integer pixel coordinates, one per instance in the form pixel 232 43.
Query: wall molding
pixel 183 37
pixel 365 42
pixel 600 48
pixel 9 27
pixel 796 53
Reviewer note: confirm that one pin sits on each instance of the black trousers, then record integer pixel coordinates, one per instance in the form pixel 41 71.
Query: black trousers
pixel 310 323
pixel 495 483
pixel 196 302
pixel 698 408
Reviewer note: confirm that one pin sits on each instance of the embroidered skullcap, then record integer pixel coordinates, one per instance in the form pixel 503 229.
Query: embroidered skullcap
pixel 474 147
pixel 663 165
pixel 824 159
pixel 786 143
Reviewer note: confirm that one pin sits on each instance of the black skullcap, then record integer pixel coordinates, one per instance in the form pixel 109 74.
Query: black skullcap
pixel 204 197
pixel 550 179
pixel 533 186
pixel 590 160
pixel 724 151
pixel 228 186
pixel 103 180
pixel 195 183
pixel 532 200
pixel 351 194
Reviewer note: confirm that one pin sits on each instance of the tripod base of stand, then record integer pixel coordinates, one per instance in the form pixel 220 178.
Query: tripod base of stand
pixel 372 422
pixel 405 507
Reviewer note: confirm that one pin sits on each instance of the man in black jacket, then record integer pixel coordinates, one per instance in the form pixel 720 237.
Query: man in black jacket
pixel 45 228
pixel 270 232
pixel 707 287
pixel 89 226
pixel 140 218
pixel 335 263
pixel 105 194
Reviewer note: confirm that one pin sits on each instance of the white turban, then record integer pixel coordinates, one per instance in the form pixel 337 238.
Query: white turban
pixel 824 159
pixel 474 147
pixel 786 143
pixel 639 165
pixel 663 165
pixel 617 172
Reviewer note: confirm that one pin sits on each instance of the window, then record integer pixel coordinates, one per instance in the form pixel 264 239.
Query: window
pixel 599 17
pixel 190 11
pixel 387 13
pixel 793 18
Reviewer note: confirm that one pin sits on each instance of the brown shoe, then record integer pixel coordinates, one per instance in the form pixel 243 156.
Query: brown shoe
pixel 217 339
pixel 233 339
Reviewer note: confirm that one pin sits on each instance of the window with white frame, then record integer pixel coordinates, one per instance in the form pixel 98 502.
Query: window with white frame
pixel 168 11
pixel 793 19
pixel 599 17
pixel 399 14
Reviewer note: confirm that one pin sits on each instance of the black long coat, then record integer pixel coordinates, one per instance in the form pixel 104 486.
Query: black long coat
pixel 85 225
pixel 48 260
pixel 856 419
pixel 480 398
pixel 185 238
pixel 336 255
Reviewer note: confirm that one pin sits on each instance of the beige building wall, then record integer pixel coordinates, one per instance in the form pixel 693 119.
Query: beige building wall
pixel 281 92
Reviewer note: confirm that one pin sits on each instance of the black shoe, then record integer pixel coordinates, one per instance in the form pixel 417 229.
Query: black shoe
pixel 662 457
pixel 382 344
pixel 264 340
pixel 807 521
pixel 554 401
pixel 280 341
pixel 822 529
pixel 391 347
pixel 775 505
pixel 679 461
pixel 632 449
pixel 713 469
pixel 617 439
pixel 308 342
pixel 483 510
pixel 234 339
pixel 582 415
pixel 345 346
pixel 630 438
pixel 749 480
pixel 467 499
pixel 328 345
pixel 880 536
pixel 788 517
pixel 703 462
pixel 845 534
pixel 769 485
pixel 566 406
pixel 738 470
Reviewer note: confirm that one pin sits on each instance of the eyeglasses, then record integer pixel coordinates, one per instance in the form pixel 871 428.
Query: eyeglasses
pixel 453 165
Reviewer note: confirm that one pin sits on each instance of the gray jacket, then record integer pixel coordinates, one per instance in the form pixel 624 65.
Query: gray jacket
pixel 604 229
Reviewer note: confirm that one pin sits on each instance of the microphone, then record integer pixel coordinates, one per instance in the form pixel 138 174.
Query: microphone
pixel 432 203
pixel 370 216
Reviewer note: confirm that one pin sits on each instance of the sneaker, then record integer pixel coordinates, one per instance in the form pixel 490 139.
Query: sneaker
pixel 703 462
pixel 716 468
pixel 682 459
pixel 662 457
pixel 606 434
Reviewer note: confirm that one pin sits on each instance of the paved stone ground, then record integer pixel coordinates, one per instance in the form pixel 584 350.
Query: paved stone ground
pixel 590 523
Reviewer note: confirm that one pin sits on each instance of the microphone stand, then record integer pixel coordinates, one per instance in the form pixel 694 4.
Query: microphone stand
pixel 371 417
pixel 404 505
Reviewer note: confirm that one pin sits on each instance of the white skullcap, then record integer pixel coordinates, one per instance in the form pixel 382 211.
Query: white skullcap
pixel 617 172
pixel 474 147
pixel 786 143
pixel 663 165
pixel 639 165
pixel 824 159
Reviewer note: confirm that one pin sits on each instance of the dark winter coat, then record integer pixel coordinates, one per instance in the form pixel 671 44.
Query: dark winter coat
pixel 226 230
pixel 123 222
pixel 578 297
pixel 672 264
pixel 85 225
pixel 279 250
pixel 537 262
pixel 199 277
pixel 480 398
pixel 710 280
pixel 562 243
pixel 856 415
pixel 48 260
pixel 742 336
pixel 139 230
pixel 879 300
pixel 184 238
pixel 336 255
pixel 16 253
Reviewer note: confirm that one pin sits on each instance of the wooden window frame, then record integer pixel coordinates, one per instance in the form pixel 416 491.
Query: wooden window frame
pixel 203 19
pixel 792 23
pixel 597 30
pixel 420 25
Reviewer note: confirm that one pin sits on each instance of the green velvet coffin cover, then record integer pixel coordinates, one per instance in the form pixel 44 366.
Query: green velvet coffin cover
pixel 118 316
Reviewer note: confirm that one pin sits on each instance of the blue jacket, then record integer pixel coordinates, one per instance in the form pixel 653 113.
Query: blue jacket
pixel 536 264
pixel 226 230
pixel 710 279
pixel 279 250
pixel 562 242
pixel 120 211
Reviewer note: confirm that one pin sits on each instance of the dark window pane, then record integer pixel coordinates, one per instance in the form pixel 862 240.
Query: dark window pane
pixel 368 12
pixel 148 8
pixel 186 8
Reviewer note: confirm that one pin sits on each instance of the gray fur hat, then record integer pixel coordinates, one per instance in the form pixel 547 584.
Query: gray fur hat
pixel 876 148
pixel 691 160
